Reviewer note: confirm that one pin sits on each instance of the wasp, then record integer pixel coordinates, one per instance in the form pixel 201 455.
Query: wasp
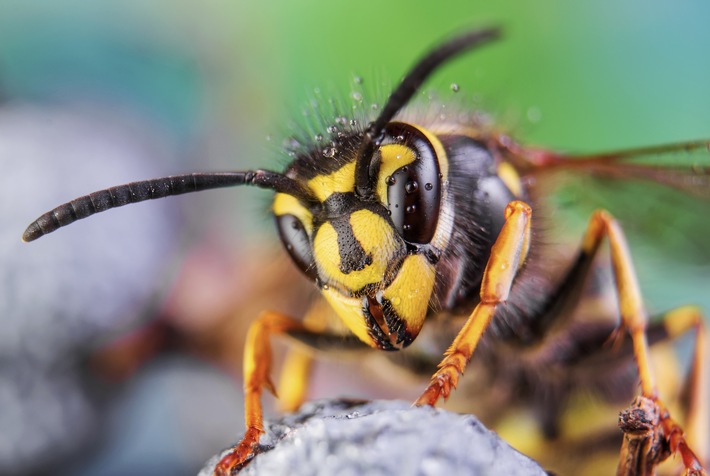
pixel 412 224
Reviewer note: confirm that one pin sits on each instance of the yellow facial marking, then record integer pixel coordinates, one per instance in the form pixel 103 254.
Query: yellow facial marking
pixel 411 290
pixel 393 156
pixel 375 235
pixel 325 250
pixel 376 238
pixel 342 180
pixel 289 205
pixel 349 309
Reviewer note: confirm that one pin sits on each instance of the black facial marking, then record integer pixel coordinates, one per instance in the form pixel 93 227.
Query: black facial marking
pixel 352 255
pixel 396 325
pixel 336 210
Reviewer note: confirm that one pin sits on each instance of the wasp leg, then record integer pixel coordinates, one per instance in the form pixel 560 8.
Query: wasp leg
pixel 677 323
pixel 257 367
pixel 257 364
pixel 293 382
pixel 634 320
pixel 296 370
pixel 507 255
pixel 699 384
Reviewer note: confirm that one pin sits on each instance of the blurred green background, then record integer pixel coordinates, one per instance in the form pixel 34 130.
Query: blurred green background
pixel 217 78
pixel 599 74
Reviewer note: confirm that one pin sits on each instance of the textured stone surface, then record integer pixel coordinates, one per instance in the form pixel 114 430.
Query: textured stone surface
pixel 381 438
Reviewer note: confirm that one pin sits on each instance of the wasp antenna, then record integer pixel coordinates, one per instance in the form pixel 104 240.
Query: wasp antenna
pixel 135 192
pixel 404 92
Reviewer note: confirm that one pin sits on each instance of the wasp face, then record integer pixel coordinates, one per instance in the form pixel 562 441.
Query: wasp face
pixel 373 257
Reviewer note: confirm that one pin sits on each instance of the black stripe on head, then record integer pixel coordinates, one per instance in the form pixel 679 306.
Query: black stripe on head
pixel 352 254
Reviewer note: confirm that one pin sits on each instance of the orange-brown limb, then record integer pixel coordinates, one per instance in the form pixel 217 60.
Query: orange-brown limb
pixel 634 320
pixel 506 257
pixel 311 334
pixel 679 322
pixel 257 367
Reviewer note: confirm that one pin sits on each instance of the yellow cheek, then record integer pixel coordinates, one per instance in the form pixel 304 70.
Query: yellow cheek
pixel 374 235
pixel 350 311
pixel 411 290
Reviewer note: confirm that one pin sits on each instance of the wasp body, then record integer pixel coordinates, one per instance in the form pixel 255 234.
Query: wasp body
pixel 405 221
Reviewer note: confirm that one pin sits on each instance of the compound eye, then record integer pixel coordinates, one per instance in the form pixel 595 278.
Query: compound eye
pixel 414 190
pixel 294 237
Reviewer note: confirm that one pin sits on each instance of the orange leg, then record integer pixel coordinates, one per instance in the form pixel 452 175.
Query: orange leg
pixel 294 379
pixel 257 366
pixel 507 255
pixel 634 320
pixel 678 322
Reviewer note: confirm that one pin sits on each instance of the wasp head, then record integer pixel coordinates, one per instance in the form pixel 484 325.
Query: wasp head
pixel 374 255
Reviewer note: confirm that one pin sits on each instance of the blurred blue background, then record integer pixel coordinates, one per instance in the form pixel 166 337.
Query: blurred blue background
pixel 111 328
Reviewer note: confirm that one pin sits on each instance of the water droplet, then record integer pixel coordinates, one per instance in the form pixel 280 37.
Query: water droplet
pixel 411 186
pixel 375 106
pixel 357 96
pixel 407 227
pixel 428 186
pixel 405 169
pixel 318 137
pixel 455 87
pixel 391 180
pixel 411 209
pixel 293 143
pixel 332 129
pixel 399 138
pixel 329 152
pixel 353 122
pixel 326 287
pixel 389 212
pixel 342 120
pixel 358 79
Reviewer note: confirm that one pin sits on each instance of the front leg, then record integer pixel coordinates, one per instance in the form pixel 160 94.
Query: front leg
pixel 507 256
pixel 313 335
pixel 257 368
